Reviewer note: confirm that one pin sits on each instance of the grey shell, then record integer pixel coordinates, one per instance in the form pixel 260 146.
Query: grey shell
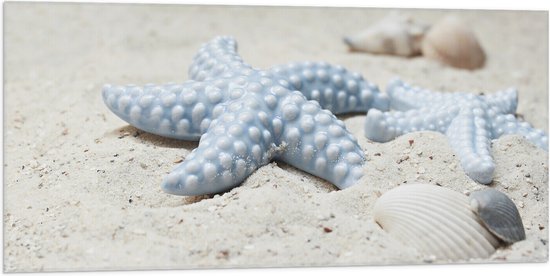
pixel 499 214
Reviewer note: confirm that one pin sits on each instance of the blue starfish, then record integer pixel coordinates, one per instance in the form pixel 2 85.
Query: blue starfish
pixel 245 117
pixel 469 121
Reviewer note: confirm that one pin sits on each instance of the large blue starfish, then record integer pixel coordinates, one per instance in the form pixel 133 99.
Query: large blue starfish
pixel 246 117
pixel 469 121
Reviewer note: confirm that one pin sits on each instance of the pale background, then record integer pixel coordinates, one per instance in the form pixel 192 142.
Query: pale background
pixel 67 196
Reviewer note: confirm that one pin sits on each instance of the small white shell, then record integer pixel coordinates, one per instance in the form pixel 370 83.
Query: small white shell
pixel 434 220
pixel 395 34
pixel 499 214
pixel 453 43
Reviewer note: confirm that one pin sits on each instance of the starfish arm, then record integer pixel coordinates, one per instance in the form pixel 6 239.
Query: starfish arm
pixel 216 58
pixel 236 144
pixel 385 126
pixel 470 137
pixel 180 111
pixel 315 141
pixel 503 124
pixel 505 101
pixel 404 97
pixel 332 86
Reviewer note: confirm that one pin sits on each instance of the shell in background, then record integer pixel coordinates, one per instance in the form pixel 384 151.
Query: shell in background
pixel 396 34
pixel 499 214
pixel 452 42
pixel 436 221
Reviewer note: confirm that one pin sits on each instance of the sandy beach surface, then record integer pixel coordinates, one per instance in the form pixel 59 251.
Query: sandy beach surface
pixel 82 187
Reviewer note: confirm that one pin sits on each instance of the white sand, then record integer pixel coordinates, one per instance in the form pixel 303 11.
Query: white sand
pixel 70 171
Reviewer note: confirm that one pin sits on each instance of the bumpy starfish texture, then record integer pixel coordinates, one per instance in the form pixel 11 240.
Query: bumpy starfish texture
pixel 469 121
pixel 245 117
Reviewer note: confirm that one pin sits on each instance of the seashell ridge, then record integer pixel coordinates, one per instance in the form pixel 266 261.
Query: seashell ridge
pixel 434 220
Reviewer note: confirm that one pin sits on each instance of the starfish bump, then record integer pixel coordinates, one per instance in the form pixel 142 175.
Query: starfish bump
pixel 246 117
pixel 469 121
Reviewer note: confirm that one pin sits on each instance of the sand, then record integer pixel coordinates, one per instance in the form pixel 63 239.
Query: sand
pixel 82 187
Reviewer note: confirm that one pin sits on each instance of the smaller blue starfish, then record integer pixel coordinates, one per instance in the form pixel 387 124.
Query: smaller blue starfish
pixel 469 121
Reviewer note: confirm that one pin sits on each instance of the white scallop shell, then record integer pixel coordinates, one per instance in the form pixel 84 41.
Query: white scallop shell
pixel 434 220
pixel 396 34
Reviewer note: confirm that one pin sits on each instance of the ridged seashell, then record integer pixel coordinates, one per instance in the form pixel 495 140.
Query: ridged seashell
pixel 451 42
pixel 499 214
pixel 436 221
pixel 395 34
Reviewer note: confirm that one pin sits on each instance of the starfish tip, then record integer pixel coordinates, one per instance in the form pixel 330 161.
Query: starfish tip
pixel 481 172
pixel 171 184
pixel 177 184
pixel 376 129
